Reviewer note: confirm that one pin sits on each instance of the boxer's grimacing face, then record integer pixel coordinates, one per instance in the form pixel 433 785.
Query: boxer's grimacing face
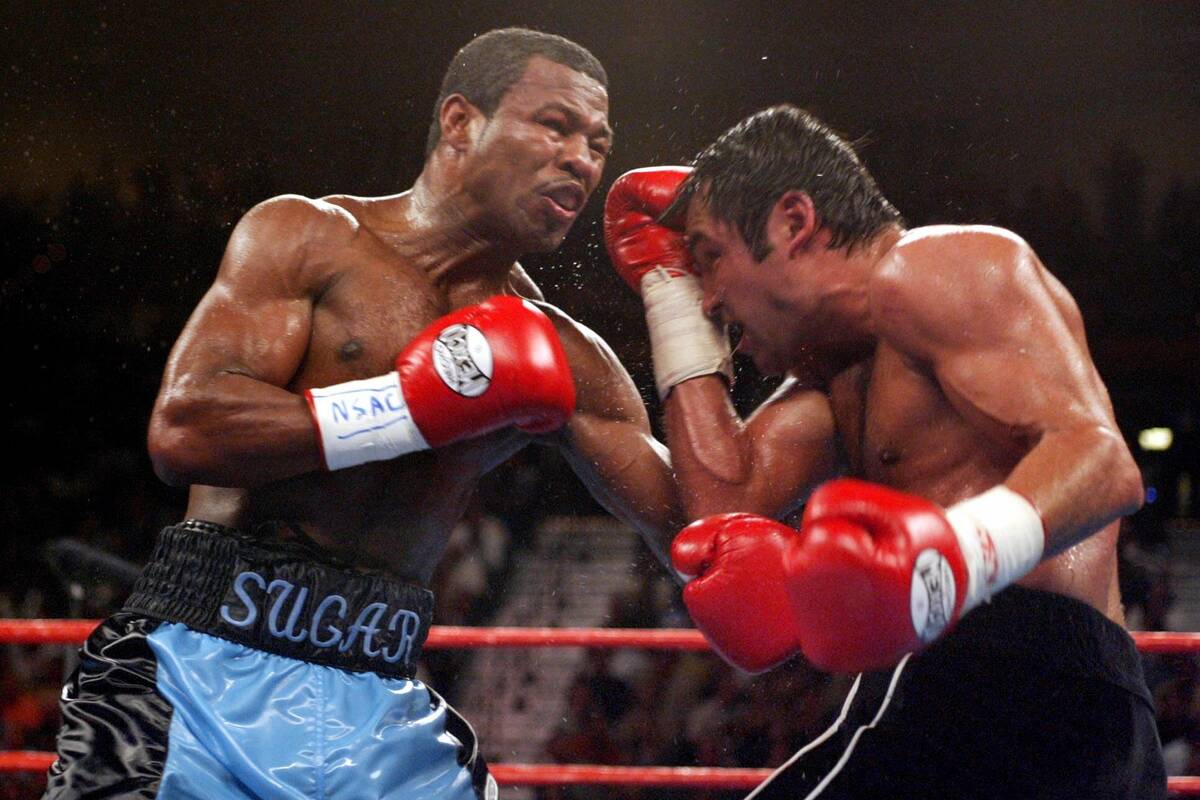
pixel 760 297
pixel 540 155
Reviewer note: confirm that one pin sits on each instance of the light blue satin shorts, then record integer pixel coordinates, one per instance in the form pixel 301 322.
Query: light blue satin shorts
pixel 249 724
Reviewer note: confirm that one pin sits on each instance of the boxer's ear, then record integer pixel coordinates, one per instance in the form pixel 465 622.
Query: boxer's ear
pixel 795 214
pixel 455 116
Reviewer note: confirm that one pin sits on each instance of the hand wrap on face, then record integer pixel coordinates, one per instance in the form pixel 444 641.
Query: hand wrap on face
pixel 653 260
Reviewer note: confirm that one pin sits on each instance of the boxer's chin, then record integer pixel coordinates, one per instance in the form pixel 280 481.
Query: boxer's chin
pixel 549 242
pixel 543 239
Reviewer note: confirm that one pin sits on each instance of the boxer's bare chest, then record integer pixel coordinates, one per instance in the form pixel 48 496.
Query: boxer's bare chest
pixel 372 307
pixel 392 515
pixel 897 428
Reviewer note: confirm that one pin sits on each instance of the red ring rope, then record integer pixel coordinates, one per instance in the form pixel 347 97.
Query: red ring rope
pixel 680 777
pixel 578 774
pixel 530 774
pixel 444 637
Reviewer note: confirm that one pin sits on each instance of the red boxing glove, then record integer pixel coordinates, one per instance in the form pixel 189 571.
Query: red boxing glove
pixel 653 259
pixel 486 367
pixel 637 242
pixel 738 597
pixel 878 573
pixel 473 371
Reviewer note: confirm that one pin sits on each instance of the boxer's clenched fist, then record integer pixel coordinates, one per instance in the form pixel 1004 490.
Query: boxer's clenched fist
pixel 473 371
pixel 736 592
pixel 877 573
pixel 872 574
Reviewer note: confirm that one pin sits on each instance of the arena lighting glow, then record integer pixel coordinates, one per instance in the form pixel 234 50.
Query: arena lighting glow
pixel 1156 438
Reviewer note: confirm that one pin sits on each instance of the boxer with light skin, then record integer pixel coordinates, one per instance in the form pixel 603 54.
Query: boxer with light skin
pixel 335 398
pixel 947 371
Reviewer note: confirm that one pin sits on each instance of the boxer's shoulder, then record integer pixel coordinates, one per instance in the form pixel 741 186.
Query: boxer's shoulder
pixel 929 254
pixel 303 220
pixel 939 277
pixel 576 337
pixel 602 384
pixel 284 237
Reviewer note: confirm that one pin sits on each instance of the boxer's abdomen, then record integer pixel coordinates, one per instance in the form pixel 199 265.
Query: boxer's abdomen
pixel 395 516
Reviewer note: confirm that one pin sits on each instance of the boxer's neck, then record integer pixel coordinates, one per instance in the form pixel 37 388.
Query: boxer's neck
pixel 448 237
pixel 849 335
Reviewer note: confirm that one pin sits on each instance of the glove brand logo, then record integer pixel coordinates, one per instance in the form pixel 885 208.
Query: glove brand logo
pixel 463 360
pixel 933 592
pixel 322 624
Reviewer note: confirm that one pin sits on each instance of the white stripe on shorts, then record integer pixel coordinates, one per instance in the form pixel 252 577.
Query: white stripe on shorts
pixel 832 729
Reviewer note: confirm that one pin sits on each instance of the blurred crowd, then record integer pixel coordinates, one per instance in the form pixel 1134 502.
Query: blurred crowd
pixel 672 708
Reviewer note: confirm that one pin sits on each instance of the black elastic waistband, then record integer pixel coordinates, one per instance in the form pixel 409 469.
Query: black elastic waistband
pixel 281 599
pixel 1052 632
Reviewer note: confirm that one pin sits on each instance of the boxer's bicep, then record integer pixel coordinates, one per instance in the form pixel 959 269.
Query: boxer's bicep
pixel 1011 362
pixel 1004 390
pixel 233 332
pixel 1027 393
pixel 222 415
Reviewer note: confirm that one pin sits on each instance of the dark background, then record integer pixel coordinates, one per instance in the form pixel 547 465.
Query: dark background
pixel 134 136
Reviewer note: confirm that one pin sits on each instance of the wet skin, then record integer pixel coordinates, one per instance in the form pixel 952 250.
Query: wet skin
pixel 315 293
pixel 940 362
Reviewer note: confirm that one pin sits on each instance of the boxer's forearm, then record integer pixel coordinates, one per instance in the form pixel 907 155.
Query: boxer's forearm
pixel 765 465
pixel 710 449
pixel 629 473
pixel 1079 479
pixel 232 430
pixel 645 498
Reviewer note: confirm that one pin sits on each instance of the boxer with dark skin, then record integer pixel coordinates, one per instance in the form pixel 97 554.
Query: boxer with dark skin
pixel 317 292
pixel 356 367
pixel 948 371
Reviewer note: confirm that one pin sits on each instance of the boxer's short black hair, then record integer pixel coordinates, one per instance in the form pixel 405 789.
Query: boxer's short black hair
pixel 487 66
pixel 749 167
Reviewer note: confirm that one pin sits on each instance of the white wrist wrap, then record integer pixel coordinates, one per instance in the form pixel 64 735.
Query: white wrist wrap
pixel 361 421
pixel 1001 536
pixel 685 343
